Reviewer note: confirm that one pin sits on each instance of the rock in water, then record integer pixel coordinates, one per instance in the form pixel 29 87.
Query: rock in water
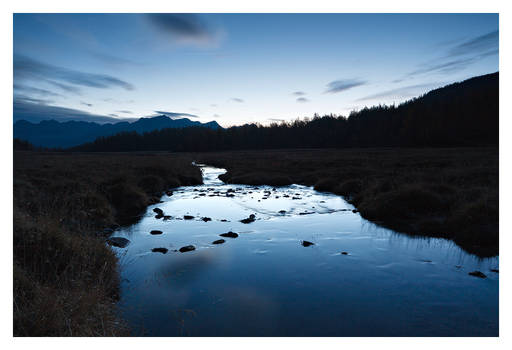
pixel 156 232
pixel 219 241
pixel 307 243
pixel 205 219
pixel 119 242
pixel 344 253
pixel 188 217
pixel 158 211
pixel 160 250
pixel 250 219
pixel 187 248
pixel 229 234
pixel 477 274
pixel 169 193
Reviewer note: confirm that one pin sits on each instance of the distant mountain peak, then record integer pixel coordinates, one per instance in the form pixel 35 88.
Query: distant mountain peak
pixel 51 133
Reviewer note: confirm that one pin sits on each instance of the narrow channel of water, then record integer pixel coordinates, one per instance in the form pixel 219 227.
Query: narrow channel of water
pixel 356 279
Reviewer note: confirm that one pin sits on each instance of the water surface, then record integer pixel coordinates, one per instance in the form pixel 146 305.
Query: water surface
pixel 357 279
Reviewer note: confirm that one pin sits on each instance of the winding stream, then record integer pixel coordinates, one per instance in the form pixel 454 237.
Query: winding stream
pixel 356 279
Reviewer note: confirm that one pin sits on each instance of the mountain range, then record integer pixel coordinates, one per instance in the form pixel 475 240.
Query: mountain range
pixel 54 134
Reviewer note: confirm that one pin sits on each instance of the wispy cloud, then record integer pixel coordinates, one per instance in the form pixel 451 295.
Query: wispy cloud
pixel 302 100
pixel 28 69
pixel 216 116
pixel 125 112
pixel 403 92
pixel 86 104
pixel 458 57
pixel 66 88
pixel 478 45
pixel 299 93
pixel 35 111
pixel 176 114
pixel 239 100
pixel 36 91
pixel 112 60
pixel 186 28
pixel 342 85
pixel 33 100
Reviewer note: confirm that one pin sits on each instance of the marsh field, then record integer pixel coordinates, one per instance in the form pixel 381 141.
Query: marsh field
pixel 398 216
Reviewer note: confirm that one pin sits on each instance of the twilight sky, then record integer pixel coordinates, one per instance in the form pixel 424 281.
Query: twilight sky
pixel 239 68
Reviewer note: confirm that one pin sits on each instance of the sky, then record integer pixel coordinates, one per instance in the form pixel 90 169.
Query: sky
pixel 239 68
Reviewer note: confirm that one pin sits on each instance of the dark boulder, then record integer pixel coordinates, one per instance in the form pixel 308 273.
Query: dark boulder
pixel 169 193
pixel 156 232
pixel 219 241
pixel 307 243
pixel 344 253
pixel 250 219
pixel 187 248
pixel 206 219
pixel 477 274
pixel 158 211
pixel 167 217
pixel 160 250
pixel 229 234
pixel 188 217
pixel 119 242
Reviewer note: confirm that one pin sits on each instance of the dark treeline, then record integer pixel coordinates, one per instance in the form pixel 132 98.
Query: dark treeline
pixel 460 114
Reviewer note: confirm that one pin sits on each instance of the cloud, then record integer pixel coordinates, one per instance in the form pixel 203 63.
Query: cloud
pixel 213 105
pixel 26 68
pixel 451 66
pixel 299 93
pixel 403 92
pixel 28 99
pixel 342 85
pixel 239 100
pixel 33 90
pixel 113 60
pixel 34 111
pixel 126 112
pixel 302 100
pixel 460 56
pixel 176 114
pixel 187 28
pixel 216 116
pixel 86 104
pixel 65 87
pixel 477 45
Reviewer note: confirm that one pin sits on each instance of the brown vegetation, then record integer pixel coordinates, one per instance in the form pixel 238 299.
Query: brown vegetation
pixel 450 193
pixel 65 277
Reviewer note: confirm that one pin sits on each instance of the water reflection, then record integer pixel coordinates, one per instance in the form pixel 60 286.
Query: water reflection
pixel 265 282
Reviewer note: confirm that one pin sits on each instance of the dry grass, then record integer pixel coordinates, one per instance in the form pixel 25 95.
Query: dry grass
pixel 450 193
pixel 65 278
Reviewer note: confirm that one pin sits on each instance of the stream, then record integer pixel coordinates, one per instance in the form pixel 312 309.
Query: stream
pixel 355 279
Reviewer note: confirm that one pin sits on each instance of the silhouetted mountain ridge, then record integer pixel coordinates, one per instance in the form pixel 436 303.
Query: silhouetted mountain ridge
pixel 51 133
